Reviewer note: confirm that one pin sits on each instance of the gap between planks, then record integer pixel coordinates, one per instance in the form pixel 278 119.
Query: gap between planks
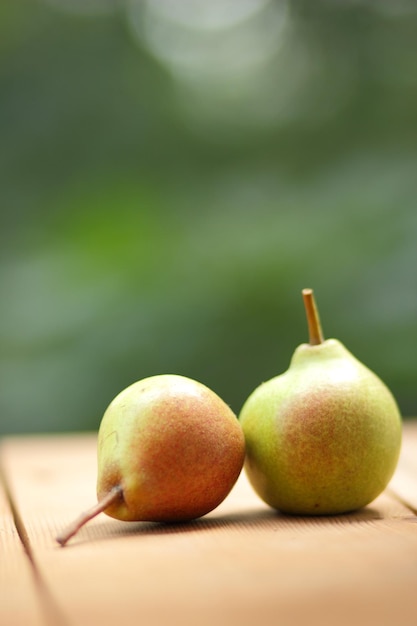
pixel 50 613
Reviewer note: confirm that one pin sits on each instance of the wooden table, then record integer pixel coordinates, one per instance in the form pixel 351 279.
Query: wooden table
pixel 243 564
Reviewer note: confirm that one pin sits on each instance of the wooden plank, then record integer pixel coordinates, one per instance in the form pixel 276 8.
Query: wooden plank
pixel 241 564
pixel 19 602
pixel 403 484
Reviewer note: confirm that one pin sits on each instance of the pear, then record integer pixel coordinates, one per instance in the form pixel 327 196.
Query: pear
pixel 324 437
pixel 169 450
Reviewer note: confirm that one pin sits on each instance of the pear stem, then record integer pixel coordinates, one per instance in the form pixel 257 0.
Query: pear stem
pixel 313 319
pixel 113 496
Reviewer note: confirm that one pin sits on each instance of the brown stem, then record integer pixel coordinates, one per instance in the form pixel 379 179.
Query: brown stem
pixel 313 319
pixel 113 496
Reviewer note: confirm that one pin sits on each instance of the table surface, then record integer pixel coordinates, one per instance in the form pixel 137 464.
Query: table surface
pixel 241 564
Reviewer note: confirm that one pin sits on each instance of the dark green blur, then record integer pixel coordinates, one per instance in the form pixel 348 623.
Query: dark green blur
pixel 161 213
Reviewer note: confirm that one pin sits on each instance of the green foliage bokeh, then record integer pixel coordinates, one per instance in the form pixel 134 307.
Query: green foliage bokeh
pixel 151 225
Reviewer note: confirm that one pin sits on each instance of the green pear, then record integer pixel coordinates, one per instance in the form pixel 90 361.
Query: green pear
pixel 324 437
pixel 169 450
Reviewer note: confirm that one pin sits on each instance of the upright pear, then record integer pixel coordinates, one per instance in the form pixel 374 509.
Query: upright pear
pixel 169 450
pixel 324 437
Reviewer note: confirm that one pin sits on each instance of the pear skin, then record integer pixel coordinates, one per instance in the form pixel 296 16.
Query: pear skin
pixel 324 437
pixel 173 445
pixel 169 450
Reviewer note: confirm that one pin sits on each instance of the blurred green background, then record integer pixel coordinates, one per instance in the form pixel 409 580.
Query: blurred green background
pixel 174 173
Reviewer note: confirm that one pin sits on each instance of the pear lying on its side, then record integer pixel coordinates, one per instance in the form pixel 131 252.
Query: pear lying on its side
pixel 169 450
pixel 325 436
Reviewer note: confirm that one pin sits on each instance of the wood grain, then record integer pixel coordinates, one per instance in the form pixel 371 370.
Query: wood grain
pixel 241 564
